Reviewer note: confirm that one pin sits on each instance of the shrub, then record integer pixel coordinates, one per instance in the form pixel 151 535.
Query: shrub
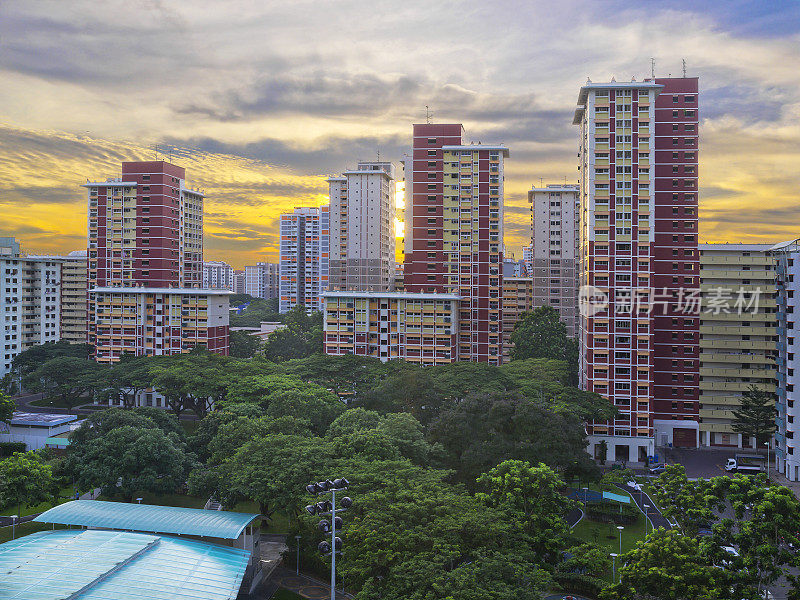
pixel 585 585
pixel 608 513
pixel 8 448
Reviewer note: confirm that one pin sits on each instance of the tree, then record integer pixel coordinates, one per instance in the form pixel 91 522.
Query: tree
pixel 756 415
pixel 31 359
pixel 482 431
pixel 101 422
pixel 669 566
pixel 683 499
pixel 128 460
pixel 243 344
pixel 68 378
pixel 26 479
pixel 7 408
pixel 588 559
pixel 305 401
pixel 532 496
pixel 539 334
pixel 301 337
pixel 127 378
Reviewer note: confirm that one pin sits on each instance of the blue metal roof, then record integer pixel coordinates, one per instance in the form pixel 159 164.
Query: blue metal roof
pixel 148 517
pixel 115 565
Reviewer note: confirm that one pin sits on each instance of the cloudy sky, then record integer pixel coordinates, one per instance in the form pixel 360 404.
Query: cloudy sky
pixel 260 100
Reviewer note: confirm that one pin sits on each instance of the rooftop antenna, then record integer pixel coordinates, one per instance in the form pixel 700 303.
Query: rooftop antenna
pixel 428 114
pixel 541 181
pixel 652 67
pixel 683 61
pixel 379 156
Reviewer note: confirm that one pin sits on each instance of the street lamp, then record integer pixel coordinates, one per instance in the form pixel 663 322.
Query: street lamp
pixel 646 519
pixel 328 507
pixel 13 524
pixel 297 565
pixel 620 528
pixel 767 445
pixel 613 567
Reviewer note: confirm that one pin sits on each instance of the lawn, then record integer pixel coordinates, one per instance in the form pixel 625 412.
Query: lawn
pixel 24 529
pixel 283 594
pixel 64 494
pixel 55 403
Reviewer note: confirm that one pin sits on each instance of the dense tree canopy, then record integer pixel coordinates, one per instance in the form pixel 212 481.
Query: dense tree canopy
pixel 26 478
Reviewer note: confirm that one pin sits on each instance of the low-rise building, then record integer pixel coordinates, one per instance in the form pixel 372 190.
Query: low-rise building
pixel 418 327
pixel 35 429
pixel 737 335
pixel 159 321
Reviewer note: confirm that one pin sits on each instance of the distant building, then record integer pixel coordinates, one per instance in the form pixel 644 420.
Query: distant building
pixel 553 253
pixel 261 280
pixel 238 282
pixel 362 212
pixel 217 275
pixel 73 294
pixel 304 258
pixel 518 298
pixel 419 328
pixel 737 347
pixel 30 303
pixel 145 266
pixel 35 429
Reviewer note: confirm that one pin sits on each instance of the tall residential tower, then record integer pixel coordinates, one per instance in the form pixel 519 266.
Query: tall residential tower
pixel 638 249
pixel 304 258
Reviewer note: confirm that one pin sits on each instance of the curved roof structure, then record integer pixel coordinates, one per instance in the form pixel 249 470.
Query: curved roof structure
pixel 117 565
pixel 149 517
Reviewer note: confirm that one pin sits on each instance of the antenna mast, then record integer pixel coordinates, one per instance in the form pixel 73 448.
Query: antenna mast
pixel 428 115
pixel 683 60
pixel 652 67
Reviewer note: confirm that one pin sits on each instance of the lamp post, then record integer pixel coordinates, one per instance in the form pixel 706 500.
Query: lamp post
pixel 767 445
pixel 613 567
pixel 620 528
pixel 297 543
pixel 325 508
pixel 646 519
pixel 13 525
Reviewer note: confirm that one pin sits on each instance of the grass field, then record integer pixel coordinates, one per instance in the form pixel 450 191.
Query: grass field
pixel 64 494
pixel 282 594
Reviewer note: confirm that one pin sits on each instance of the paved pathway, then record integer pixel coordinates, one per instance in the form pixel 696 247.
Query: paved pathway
pixel 307 587
pixel 653 513
pixel 573 517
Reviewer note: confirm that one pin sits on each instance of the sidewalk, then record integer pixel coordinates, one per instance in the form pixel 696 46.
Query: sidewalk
pixel 777 477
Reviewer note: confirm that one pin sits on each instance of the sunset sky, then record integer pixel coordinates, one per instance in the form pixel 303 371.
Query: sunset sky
pixel 261 100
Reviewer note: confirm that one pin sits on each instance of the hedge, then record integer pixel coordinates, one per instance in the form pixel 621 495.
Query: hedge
pixel 608 513
pixel 8 448
pixel 585 585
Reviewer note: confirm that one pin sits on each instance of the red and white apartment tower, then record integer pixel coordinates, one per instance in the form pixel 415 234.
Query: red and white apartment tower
pixel 638 248
pixel 454 232
pixel 145 266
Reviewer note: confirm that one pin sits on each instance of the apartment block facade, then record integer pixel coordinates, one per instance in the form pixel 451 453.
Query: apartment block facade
pixel 518 298
pixel 149 321
pixel 787 380
pixel 261 280
pixel 454 231
pixel 217 275
pixel 145 233
pixel 738 333
pixel 304 258
pixel 417 327
pixel 553 253
pixel 362 214
pixel 638 251
pixel 30 304
pixel 73 294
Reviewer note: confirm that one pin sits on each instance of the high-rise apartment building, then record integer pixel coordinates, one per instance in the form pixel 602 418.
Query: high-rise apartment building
pixel 454 231
pixel 518 298
pixel 145 260
pixel 217 275
pixel 362 213
pixel 238 282
pixel 553 253
pixel 30 302
pixel 261 280
pixel 787 402
pixel 304 258
pixel 72 292
pixel 638 249
pixel 418 328
pixel 738 332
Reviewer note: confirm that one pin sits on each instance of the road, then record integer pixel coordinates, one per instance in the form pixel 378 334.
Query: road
pixel 641 498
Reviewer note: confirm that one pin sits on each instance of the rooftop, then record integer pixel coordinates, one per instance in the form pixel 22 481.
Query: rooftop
pixel 115 565
pixel 398 295
pixel 40 419
pixel 167 290
pixel 148 517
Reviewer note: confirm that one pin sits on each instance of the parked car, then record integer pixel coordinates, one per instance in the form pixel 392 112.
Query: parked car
pixel 658 469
